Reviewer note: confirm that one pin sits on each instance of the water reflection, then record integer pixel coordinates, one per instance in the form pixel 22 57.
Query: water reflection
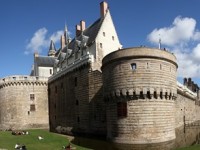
pixel 189 135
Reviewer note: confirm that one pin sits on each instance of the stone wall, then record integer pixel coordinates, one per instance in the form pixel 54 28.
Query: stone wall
pixel 76 102
pixel 187 106
pixel 23 102
pixel 144 79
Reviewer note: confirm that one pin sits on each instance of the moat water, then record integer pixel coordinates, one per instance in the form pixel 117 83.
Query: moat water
pixel 185 136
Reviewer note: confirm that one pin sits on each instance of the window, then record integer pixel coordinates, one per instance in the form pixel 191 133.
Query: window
pixel 32 97
pixel 101 45
pixel 113 38
pixel 55 89
pixel 78 119
pixel 61 85
pixel 75 81
pixel 133 66
pixel 160 67
pixel 32 107
pixel 104 34
pixel 50 71
pixel 122 109
pixel 77 102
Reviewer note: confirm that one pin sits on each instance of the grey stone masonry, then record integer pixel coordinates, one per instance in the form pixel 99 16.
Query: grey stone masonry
pixel 23 102
pixel 145 80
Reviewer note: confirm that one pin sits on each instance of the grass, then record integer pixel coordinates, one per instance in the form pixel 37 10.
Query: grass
pixel 194 147
pixel 51 141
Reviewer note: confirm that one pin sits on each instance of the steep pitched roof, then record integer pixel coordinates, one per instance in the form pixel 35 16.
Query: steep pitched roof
pixel 91 32
pixel 45 61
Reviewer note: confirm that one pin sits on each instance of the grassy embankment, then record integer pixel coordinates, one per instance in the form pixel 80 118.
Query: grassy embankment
pixel 194 147
pixel 51 141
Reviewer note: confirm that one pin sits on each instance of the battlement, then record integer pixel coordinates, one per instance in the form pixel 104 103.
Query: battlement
pixel 21 79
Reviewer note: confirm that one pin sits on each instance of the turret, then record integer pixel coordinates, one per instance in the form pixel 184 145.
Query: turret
pixel 52 49
pixel 140 88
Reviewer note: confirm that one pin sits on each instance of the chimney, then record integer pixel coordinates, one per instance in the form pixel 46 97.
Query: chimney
pixel 185 82
pixel 78 30
pixel 62 41
pixel 189 81
pixel 82 24
pixel 103 8
pixel 36 54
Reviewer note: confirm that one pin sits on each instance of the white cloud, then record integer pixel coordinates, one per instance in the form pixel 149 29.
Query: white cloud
pixel 40 40
pixel 181 30
pixel 182 38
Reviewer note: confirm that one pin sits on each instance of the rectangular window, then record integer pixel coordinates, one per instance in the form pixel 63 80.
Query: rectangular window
pixel 50 71
pixel 104 34
pixel 32 107
pixel 122 109
pixel 113 38
pixel 133 66
pixel 101 45
pixel 75 81
pixel 55 89
pixel 32 97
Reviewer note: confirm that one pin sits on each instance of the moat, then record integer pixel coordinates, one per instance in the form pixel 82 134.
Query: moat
pixel 185 136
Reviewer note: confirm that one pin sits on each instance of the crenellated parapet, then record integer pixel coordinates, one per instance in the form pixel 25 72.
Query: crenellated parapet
pixel 23 102
pixel 19 80
pixel 140 73
pixel 140 93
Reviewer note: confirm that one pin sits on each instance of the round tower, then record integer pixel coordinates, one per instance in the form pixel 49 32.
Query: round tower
pixel 139 90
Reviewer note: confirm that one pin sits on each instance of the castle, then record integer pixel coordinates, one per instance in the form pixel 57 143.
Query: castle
pixel 91 85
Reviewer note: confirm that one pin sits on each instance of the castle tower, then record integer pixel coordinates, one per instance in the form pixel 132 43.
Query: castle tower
pixel 139 90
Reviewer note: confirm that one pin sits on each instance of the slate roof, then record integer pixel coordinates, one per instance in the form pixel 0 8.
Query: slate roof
pixel 45 61
pixel 91 32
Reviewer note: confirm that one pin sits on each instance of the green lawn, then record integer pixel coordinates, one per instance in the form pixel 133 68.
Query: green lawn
pixel 194 147
pixel 51 141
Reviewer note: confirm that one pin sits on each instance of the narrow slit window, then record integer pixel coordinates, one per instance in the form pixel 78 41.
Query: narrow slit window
pixel 50 71
pixel 75 81
pixel 104 34
pixel 113 38
pixel 101 45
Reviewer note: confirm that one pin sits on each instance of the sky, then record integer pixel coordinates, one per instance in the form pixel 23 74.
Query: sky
pixel 27 26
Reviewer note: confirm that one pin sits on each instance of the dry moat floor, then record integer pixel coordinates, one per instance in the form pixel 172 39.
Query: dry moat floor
pixel 52 141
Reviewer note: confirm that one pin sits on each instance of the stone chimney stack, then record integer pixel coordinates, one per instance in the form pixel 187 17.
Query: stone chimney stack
pixel 36 54
pixel 185 82
pixel 82 24
pixel 103 8
pixel 78 30
pixel 62 41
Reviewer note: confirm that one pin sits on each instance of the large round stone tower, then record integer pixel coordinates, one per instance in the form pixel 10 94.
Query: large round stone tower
pixel 139 90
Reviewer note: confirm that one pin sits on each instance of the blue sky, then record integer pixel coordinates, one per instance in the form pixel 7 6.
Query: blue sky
pixel 28 25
